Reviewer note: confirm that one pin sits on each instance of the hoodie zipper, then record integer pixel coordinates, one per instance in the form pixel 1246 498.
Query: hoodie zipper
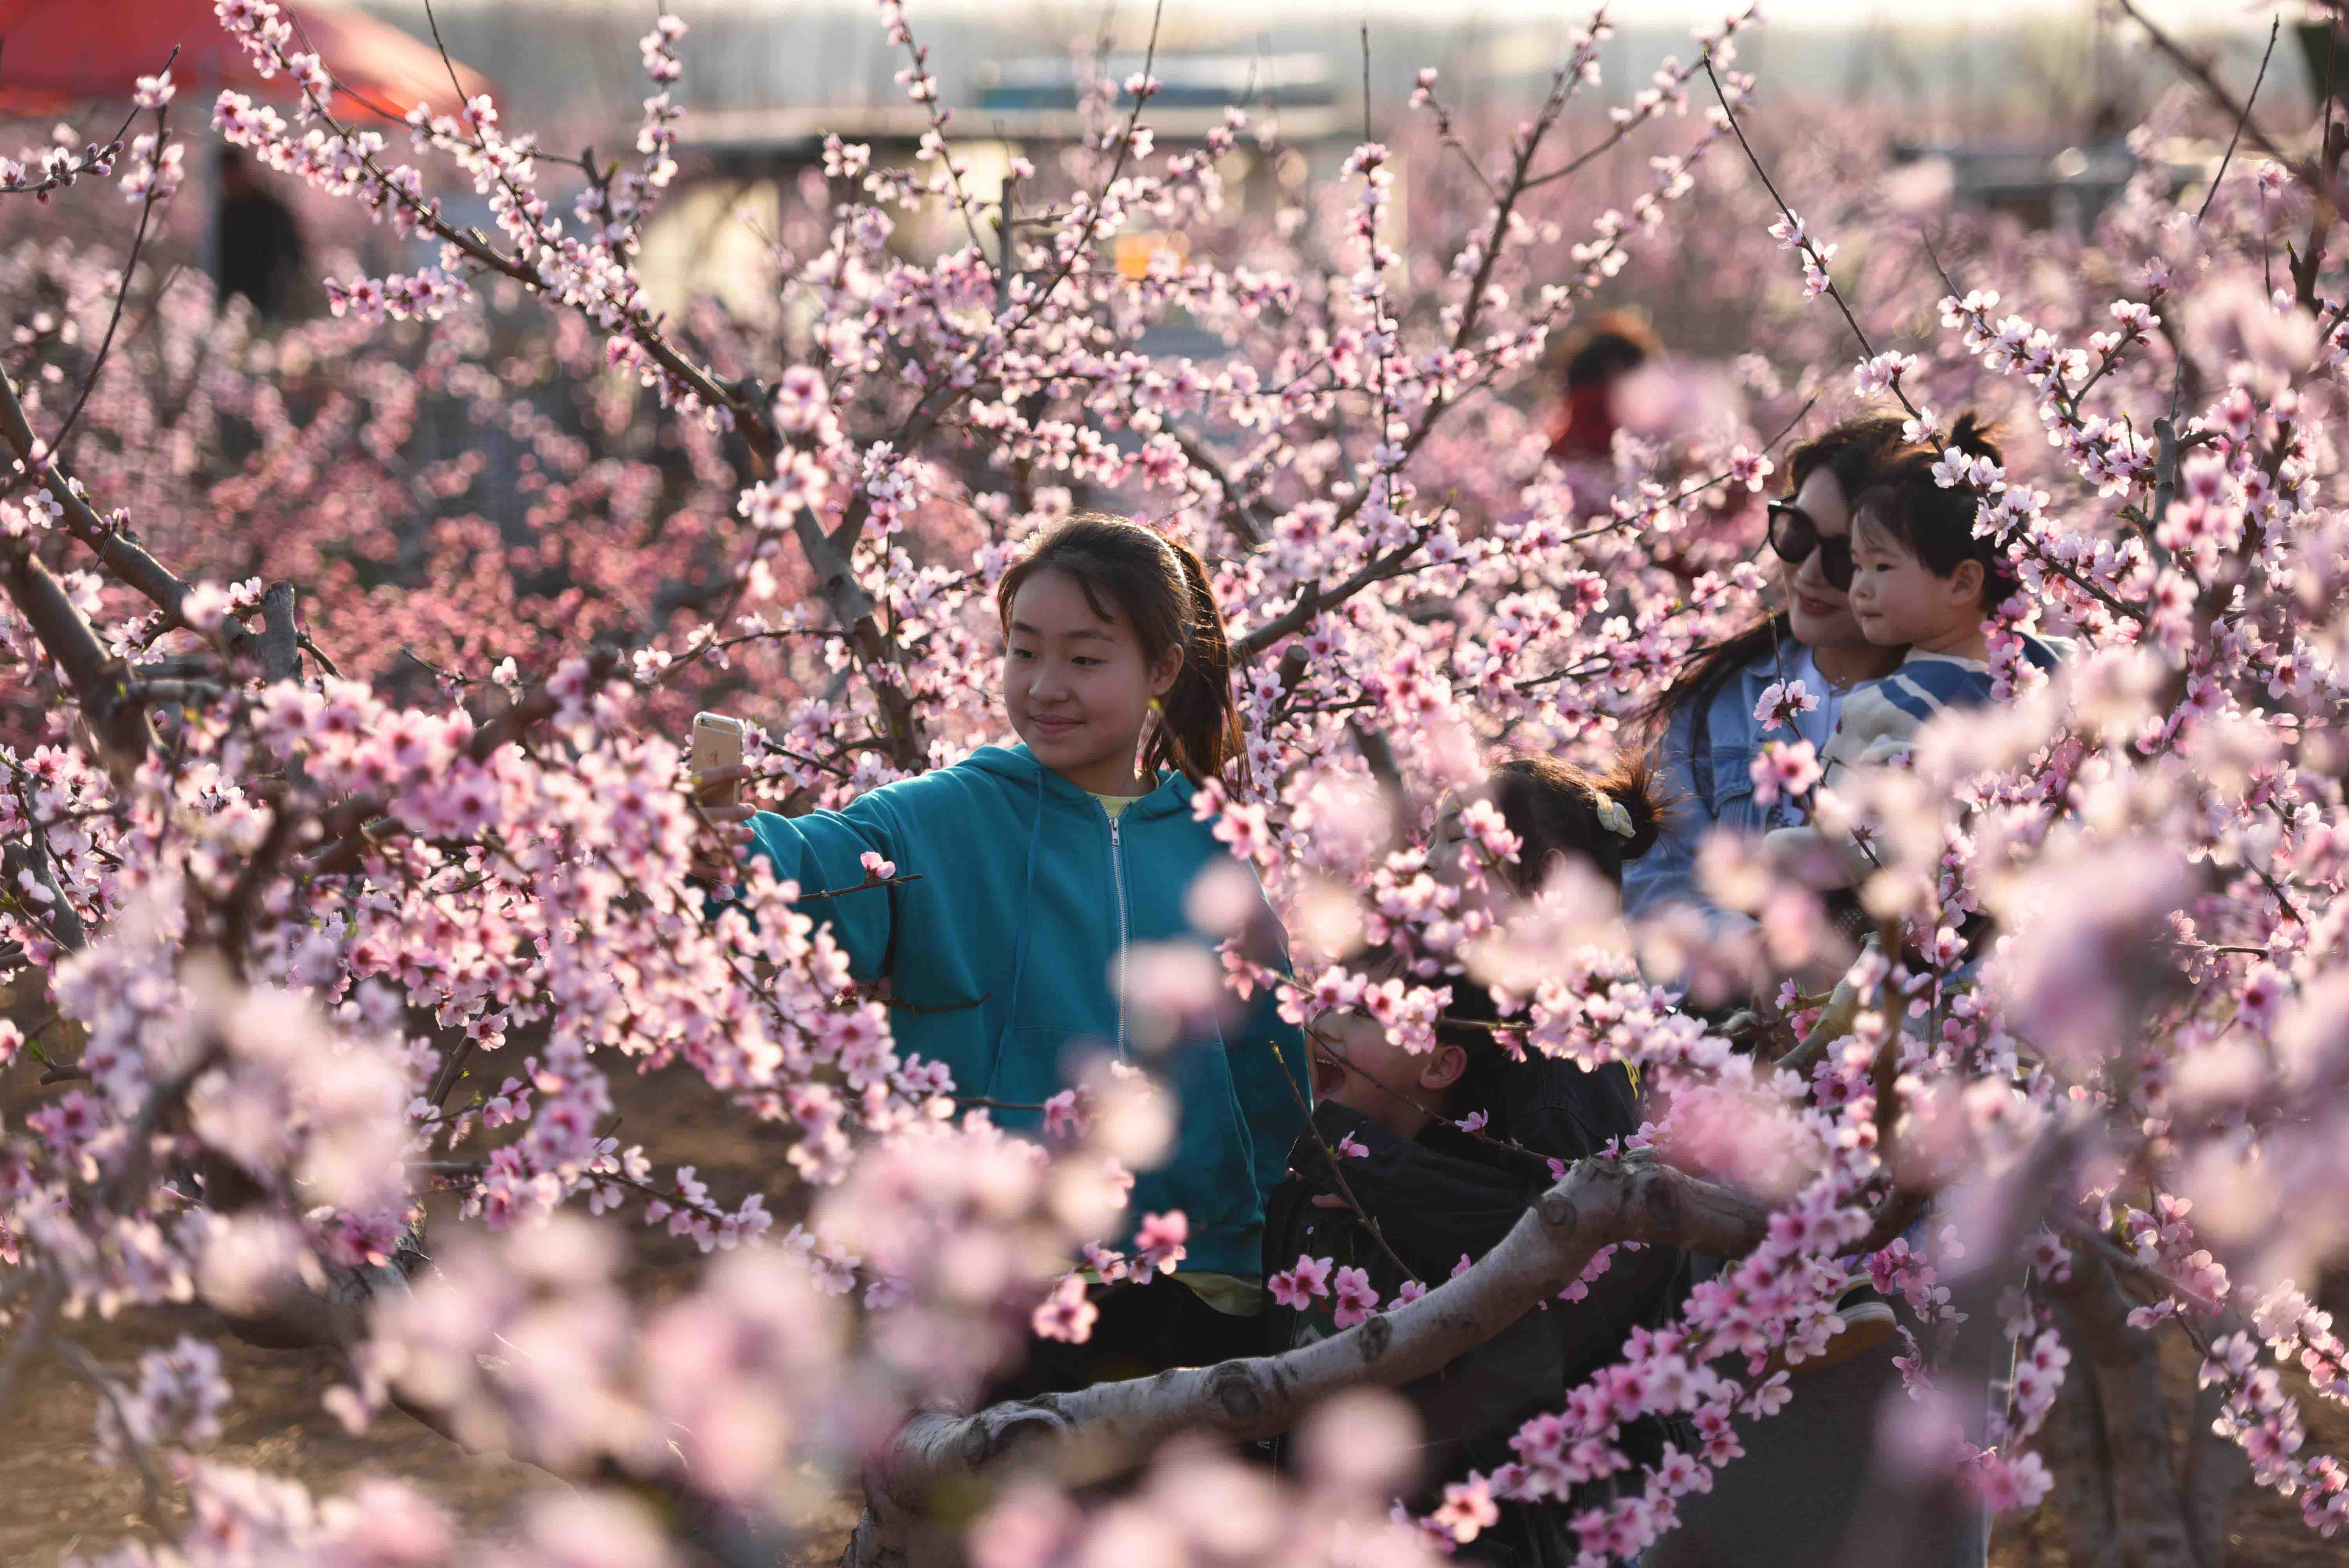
pixel 1117 877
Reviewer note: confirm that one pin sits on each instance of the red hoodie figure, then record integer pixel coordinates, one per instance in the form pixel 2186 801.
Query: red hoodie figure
pixel 1582 429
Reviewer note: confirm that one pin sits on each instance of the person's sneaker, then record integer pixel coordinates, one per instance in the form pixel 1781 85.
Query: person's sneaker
pixel 1868 1322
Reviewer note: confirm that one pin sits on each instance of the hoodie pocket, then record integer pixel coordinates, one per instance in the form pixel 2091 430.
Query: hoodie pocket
pixel 1028 1070
pixel 1213 1168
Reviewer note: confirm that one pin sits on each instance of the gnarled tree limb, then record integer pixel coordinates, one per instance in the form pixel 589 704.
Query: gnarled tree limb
pixel 99 681
pixel 278 645
pixel 853 607
pixel 2213 1467
pixel 64 921
pixel 130 562
pixel 1599 1201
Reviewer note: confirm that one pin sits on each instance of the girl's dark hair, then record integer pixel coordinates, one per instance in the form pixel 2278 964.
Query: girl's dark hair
pixel 1859 453
pixel 1936 523
pixel 1553 808
pixel 1159 587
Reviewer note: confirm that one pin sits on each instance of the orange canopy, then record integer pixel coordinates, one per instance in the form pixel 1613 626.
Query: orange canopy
pixel 54 53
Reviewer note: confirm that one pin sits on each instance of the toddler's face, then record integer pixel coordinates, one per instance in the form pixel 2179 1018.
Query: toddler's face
pixel 1897 599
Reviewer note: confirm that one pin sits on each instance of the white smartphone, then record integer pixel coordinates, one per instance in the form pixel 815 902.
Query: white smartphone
pixel 717 743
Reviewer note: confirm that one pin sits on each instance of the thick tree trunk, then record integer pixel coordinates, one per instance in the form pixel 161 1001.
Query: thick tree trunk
pixel 2214 1468
pixel 2158 1521
pixel 1105 1427
pixel 2072 1443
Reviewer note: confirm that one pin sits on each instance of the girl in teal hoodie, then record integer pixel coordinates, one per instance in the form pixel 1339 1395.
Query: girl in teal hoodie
pixel 1033 870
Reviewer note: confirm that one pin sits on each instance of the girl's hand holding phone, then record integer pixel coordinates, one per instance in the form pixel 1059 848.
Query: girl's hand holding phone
pixel 722 816
pixel 724 835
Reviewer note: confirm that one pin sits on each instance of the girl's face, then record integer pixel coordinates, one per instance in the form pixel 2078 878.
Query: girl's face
pixel 1451 849
pixel 1820 611
pixel 1077 686
pixel 1447 843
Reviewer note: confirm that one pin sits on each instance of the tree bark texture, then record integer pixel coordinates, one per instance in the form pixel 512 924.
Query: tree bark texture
pixel 2167 1509
pixel 1100 1428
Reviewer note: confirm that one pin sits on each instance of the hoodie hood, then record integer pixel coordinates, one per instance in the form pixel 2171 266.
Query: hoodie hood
pixel 1017 765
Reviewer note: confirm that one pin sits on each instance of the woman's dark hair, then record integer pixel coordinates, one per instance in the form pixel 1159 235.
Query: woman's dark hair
pixel 1553 808
pixel 1858 453
pixel 1936 523
pixel 1158 585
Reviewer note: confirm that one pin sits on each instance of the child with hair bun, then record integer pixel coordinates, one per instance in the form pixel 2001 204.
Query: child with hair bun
pixel 1562 815
pixel 1560 811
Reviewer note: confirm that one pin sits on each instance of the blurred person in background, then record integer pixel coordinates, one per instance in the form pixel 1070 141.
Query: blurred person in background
pixel 256 244
pixel 1582 426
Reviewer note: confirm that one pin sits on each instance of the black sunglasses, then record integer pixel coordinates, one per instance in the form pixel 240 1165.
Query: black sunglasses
pixel 1792 535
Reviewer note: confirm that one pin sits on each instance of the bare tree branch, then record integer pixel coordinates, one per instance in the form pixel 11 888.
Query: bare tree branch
pixel 63 922
pixel 278 645
pixel 150 1485
pixel 133 564
pixel 174 691
pixel 98 679
pixel 156 193
pixel 2200 74
pixel 1299 615
pixel 1239 515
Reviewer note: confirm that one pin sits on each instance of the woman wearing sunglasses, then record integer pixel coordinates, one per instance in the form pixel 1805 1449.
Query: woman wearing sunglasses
pixel 1709 733
pixel 1802 1494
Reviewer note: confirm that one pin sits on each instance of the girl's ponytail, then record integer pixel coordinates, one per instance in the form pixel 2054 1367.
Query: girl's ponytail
pixel 1607 818
pixel 1198 729
pixel 1630 783
pixel 1161 586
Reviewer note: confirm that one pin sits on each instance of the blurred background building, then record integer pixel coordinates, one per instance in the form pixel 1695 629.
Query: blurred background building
pixel 2008 108
pixel 2020 108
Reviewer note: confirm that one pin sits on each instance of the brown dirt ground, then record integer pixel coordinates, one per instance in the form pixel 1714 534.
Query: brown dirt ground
pixel 53 1500
pixel 2264 1529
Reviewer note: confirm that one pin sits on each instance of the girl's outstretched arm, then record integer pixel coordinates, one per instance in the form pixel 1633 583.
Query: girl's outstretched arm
pixel 823 852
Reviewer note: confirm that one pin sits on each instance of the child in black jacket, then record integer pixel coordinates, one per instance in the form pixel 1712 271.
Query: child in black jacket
pixel 1444 1151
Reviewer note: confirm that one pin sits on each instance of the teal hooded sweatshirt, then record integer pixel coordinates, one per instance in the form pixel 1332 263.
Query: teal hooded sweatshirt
pixel 1007 948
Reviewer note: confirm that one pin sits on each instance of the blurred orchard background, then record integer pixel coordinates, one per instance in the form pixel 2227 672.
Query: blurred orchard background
pixel 367 462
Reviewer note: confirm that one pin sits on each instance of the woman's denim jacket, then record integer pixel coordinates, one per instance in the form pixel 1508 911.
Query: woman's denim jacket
pixel 1704 768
